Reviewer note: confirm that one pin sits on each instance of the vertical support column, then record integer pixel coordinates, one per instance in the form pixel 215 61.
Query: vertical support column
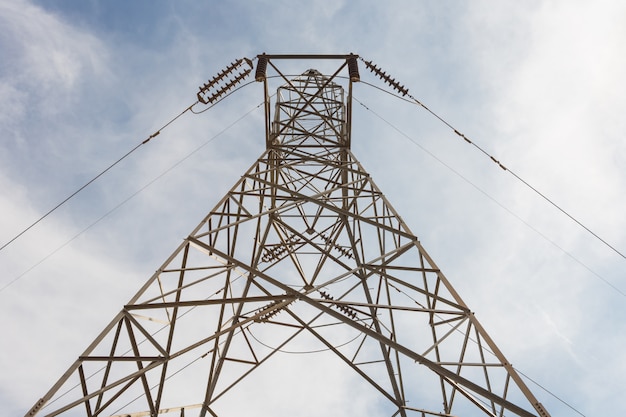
pixel 353 73
pixel 260 76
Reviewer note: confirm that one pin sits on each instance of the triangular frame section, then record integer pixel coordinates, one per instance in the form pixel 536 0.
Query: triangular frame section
pixel 302 251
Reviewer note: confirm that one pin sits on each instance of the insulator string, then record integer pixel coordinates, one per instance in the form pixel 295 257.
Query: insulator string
pixel 205 95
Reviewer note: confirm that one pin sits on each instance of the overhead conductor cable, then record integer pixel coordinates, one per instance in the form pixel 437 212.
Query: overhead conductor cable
pixel 405 92
pixel 210 92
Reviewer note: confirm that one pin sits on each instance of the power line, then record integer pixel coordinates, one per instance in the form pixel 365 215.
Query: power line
pixel 413 100
pixel 550 392
pixel 127 199
pixel 486 349
pixel 127 154
pixel 606 281
pixel 212 92
pixel 510 212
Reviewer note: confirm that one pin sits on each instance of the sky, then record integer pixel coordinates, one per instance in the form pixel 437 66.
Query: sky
pixel 537 84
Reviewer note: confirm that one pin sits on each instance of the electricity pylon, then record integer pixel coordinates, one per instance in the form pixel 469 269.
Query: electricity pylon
pixel 303 254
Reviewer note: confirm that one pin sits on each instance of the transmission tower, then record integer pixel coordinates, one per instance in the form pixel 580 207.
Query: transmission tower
pixel 303 255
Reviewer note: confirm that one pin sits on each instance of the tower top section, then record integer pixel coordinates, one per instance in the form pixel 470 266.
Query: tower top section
pixel 310 109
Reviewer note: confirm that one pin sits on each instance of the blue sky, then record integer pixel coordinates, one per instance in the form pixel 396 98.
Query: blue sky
pixel 537 84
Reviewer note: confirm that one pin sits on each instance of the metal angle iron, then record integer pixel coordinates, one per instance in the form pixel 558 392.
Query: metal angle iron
pixel 304 254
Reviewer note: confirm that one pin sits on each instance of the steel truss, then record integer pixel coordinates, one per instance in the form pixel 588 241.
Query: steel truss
pixel 304 252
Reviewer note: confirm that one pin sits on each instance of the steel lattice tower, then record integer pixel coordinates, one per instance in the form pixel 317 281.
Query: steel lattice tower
pixel 304 250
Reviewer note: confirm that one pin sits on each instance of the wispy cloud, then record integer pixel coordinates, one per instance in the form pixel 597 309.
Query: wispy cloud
pixel 540 86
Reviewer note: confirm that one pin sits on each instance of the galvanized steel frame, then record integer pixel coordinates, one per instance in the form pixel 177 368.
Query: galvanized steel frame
pixel 305 243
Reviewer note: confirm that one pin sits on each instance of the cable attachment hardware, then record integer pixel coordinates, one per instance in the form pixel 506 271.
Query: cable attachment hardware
pixel 271 310
pixel 353 69
pixel 222 82
pixel 276 252
pixel 350 312
pixel 342 250
pixel 261 68
pixel 386 78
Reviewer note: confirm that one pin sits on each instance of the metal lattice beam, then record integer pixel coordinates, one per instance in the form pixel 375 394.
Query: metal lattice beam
pixel 304 249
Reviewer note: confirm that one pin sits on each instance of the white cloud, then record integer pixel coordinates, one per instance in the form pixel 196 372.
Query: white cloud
pixel 47 56
pixel 537 84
